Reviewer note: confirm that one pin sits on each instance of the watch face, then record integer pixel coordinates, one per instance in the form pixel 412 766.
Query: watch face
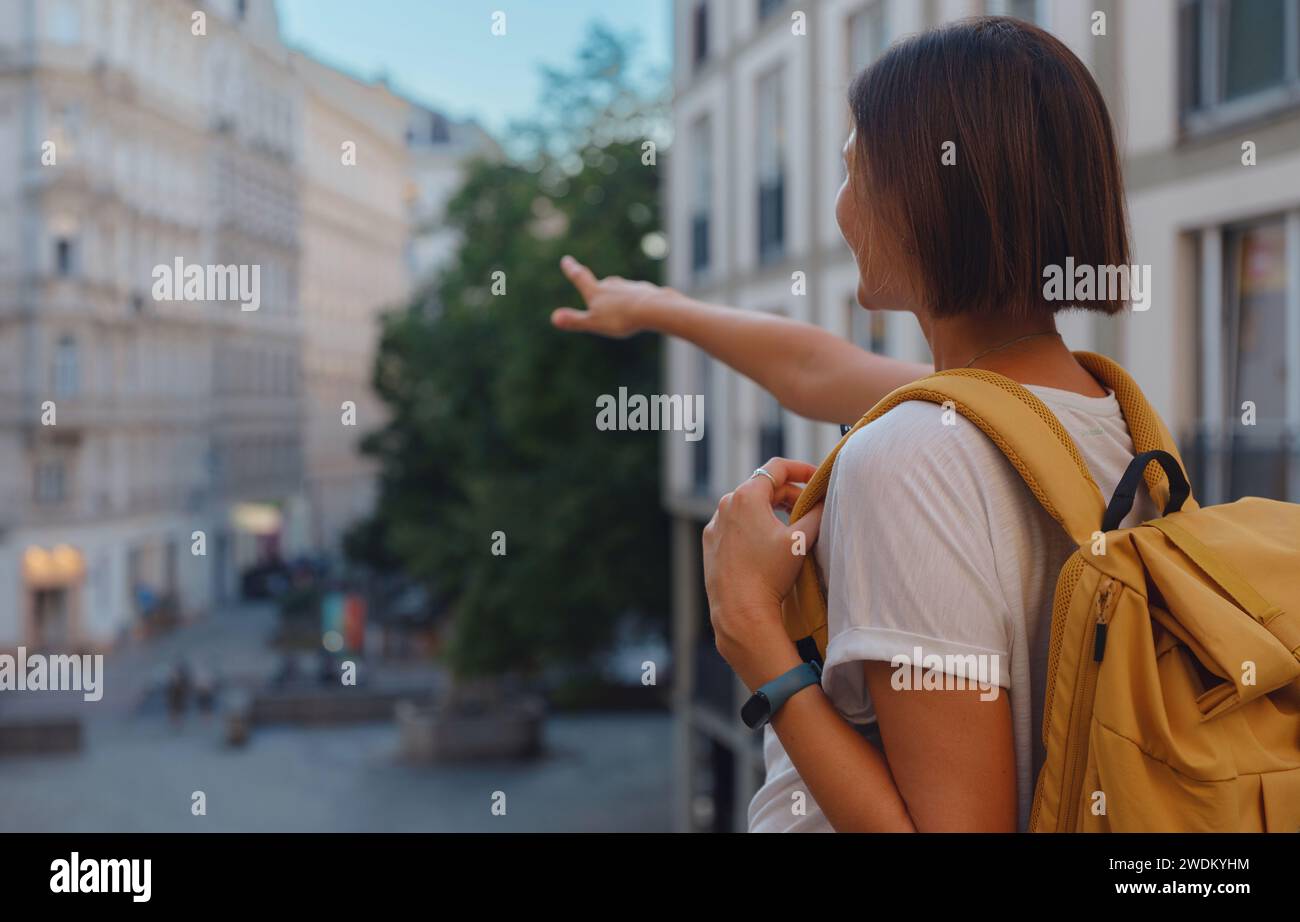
pixel 756 711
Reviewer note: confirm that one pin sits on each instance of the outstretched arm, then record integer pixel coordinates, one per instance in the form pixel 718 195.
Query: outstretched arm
pixel 809 370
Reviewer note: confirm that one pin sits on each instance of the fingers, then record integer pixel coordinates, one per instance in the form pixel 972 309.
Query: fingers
pixel 810 525
pixel 582 278
pixel 786 496
pixel 566 318
pixel 785 471
pixel 758 494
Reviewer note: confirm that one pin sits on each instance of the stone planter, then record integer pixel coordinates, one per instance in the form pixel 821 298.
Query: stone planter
pixel 453 733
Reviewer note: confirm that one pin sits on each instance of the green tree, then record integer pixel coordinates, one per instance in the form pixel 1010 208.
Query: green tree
pixel 493 412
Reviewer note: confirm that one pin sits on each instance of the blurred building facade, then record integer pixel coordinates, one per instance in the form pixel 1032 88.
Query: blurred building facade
pixel 186 426
pixel 760 116
pixel 355 237
pixel 378 172
pixel 439 149
pixel 254 215
pixel 133 422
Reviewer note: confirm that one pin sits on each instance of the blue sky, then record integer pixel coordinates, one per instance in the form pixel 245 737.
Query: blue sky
pixel 442 51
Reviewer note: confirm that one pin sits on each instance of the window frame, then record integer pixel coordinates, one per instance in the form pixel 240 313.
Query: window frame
pixel 765 9
pixel 65 367
pixel 65 257
pixel 1215 417
pixel 700 34
pixel 702 183
pixel 50 472
pixel 771 189
pixel 875 12
pixel 701 472
pixel 874 323
pixel 1199 116
pixel 771 428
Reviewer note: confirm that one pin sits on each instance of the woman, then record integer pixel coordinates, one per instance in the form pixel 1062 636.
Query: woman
pixel 982 155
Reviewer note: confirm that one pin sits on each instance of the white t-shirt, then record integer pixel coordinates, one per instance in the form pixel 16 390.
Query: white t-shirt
pixel 931 540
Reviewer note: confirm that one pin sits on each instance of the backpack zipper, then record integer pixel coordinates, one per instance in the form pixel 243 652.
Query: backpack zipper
pixel 1069 577
pixel 1103 618
pixel 1081 709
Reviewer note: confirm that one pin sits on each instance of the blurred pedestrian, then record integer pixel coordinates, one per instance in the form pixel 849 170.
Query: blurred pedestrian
pixel 178 691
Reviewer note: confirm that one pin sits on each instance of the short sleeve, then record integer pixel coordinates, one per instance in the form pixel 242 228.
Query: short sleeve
pixel 907 545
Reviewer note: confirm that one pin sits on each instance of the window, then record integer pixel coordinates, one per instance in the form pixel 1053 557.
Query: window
pixel 867 329
pixel 66 371
pixel 701 146
pixel 767 7
pixel 428 128
pixel 771 428
pixel 771 167
pixel 65 23
pixel 63 258
pixel 1255 337
pixel 49 482
pixel 1238 59
pixel 700 468
pixel 1254 47
pixel 439 128
pixel 868 36
pixel 700 33
pixel 1250 366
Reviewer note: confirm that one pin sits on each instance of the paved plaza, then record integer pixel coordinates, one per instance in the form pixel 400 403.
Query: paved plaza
pixel 136 772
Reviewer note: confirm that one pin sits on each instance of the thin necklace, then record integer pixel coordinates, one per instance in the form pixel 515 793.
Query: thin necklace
pixel 1006 345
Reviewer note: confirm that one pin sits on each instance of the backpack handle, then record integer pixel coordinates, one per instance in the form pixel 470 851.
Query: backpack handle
pixel 1121 502
pixel 1144 424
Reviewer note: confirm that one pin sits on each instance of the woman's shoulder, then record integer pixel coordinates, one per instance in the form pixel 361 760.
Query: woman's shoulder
pixel 920 453
pixel 919 464
pixel 917 434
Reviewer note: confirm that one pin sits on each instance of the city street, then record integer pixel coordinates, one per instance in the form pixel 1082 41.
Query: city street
pixel 136 772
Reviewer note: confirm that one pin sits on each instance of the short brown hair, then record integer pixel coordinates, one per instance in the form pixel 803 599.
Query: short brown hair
pixel 1037 176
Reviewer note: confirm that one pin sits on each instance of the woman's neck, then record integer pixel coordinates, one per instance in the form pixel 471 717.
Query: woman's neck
pixel 1030 352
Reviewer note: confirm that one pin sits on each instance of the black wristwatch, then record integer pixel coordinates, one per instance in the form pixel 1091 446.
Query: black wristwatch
pixel 765 702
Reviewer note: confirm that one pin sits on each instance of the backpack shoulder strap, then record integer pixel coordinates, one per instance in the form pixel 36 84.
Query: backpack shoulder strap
pixel 1021 426
pixel 1023 429
pixel 1145 427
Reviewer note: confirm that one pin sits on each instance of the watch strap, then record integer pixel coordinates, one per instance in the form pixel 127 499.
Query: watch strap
pixel 781 689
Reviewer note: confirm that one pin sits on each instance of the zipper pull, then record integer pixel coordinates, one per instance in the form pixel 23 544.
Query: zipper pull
pixel 1103 603
pixel 1099 644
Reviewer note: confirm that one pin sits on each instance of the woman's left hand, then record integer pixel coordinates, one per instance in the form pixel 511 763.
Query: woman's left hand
pixel 751 560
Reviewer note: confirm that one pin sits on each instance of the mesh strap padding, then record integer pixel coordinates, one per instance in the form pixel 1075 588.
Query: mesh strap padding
pixel 1144 424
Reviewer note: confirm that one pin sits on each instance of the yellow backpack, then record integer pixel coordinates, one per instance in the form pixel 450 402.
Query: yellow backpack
pixel 1173 686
